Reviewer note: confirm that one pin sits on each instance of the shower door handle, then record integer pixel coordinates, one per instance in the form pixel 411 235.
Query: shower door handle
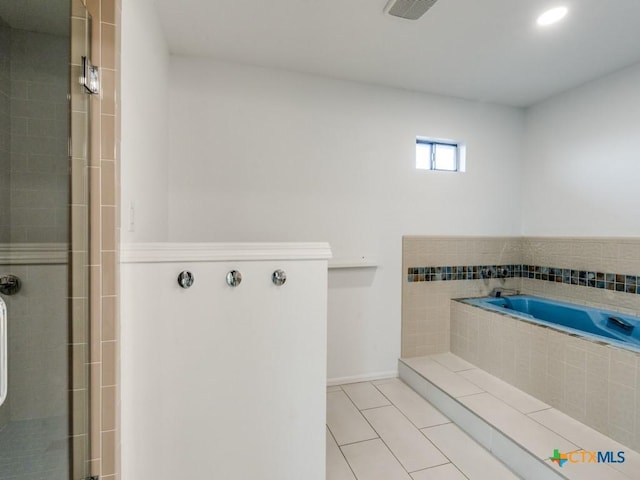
pixel 4 380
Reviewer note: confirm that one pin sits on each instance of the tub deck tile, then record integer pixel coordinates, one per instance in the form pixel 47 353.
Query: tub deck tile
pixel 442 377
pixel 533 436
pixel 530 423
pixel 521 401
pixel 452 362
pixel 474 461
pixel 588 439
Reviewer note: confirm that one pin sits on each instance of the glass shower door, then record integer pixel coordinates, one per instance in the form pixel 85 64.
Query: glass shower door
pixel 43 415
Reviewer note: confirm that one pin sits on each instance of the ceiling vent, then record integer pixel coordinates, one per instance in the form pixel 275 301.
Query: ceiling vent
pixel 409 9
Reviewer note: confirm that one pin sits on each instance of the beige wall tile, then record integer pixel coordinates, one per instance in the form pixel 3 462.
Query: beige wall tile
pixel 109 408
pixel 96 410
pixel 80 409
pixel 108 46
pixel 79 317
pixel 108 273
pixel 95 309
pixel 108 11
pixel 109 352
pixel 108 79
pixel 79 228
pixel 79 288
pixel 79 184
pixel 79 135
pixel 94 216
pixel 107 137
pixel 109 323
pixel 108 228
pixel 77 8
pixel 79 447
pixel 79 372
pixel 108 183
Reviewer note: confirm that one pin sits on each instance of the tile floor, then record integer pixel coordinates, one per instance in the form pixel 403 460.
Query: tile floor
pixel 383 430
pixel 535 426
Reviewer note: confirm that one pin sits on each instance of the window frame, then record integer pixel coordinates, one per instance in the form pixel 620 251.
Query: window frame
pixel 459 154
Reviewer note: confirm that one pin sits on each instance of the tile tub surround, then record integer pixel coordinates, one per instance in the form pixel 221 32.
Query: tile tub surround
pixel 611 281
pixel 594 383
pixel 556 267
pixel 425 305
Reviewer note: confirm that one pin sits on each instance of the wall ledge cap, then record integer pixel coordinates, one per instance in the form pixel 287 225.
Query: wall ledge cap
pixel 217 252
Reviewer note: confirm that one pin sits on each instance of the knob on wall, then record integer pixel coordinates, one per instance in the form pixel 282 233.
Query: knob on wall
pixel 234 278
pixel 10 284
pixel 185 279
pixel 279 277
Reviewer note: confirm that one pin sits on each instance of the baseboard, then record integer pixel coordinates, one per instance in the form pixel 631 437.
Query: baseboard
pixel 362 378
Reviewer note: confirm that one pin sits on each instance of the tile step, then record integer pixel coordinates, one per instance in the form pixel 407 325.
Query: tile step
pixel 509 423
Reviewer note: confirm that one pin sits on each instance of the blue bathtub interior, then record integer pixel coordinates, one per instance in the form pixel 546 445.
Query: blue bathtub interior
pixel 610 326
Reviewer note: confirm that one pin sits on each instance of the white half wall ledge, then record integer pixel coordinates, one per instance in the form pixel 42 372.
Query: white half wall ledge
pixel 212 252
pixel 356 262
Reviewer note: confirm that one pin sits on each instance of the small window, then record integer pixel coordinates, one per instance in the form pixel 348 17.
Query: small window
pixel 439 155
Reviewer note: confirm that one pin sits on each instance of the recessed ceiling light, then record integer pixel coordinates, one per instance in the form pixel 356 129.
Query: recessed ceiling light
pixel 552 16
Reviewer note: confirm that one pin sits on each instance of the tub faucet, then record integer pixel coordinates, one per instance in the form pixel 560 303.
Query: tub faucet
pixel 503 292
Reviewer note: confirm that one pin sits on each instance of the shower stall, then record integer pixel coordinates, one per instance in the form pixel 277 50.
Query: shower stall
pixel 44 332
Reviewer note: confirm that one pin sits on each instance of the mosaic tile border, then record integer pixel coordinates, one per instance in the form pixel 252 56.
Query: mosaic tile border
pixel 609 281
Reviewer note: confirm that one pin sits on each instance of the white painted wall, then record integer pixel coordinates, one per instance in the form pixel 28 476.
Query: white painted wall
pixel 266 155
pixel 221 382
pixel 144 77
pixel 582 160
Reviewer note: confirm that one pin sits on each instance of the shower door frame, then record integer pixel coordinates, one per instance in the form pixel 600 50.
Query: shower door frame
pixel 79 278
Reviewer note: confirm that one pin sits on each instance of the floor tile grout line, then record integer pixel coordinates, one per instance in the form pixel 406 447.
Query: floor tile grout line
pixel 470 394
pixel 505 402
pixel 380 436
pixel 477 443
pixel 524 415
pixel 438 448
pixel 424 400
pixel 391 452
pixel 541 410
pixel 455 399
pixel 558 433
pixel 418 428
pixel 369 408
pixel 341 452
pixel 494 395
pixel 375 408
pixel 363 417
pixel 436 466
pixel 359 441
pixel 450 369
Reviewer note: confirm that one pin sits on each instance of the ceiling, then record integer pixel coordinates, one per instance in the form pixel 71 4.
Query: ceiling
pixel 486 50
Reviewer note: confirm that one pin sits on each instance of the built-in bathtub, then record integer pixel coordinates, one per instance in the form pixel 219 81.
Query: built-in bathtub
pixel 590 373
pixel 602 325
